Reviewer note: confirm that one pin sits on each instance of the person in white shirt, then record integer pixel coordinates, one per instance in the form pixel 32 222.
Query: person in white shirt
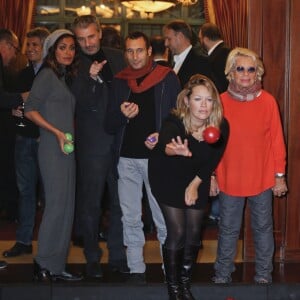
pixel 178 38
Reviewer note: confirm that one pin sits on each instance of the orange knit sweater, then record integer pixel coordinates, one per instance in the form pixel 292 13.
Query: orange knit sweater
pixel 255 150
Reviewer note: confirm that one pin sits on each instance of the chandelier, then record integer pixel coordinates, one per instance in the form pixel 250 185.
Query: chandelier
pixel 145 8
pixel 187 2
pixel 148 6
pixel 101 10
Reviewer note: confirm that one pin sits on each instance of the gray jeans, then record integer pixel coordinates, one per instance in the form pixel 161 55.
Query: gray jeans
pixel 132 174
pixel 231 213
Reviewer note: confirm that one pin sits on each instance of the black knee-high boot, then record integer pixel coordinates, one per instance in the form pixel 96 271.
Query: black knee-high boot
pixel 173 264
pixel 189 259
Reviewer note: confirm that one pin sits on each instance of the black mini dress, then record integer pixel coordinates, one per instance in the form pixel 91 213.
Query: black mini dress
pixel 169 176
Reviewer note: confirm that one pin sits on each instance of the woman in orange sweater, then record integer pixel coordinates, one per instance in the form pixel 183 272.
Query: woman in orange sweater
pixel 252 167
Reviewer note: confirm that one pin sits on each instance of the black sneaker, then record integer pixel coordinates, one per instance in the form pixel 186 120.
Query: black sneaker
pixel 65 276
pixel 17 250
pixel 94 270
pixel 119 266
pixel 137 278
pixel 102 236
pixel 3 264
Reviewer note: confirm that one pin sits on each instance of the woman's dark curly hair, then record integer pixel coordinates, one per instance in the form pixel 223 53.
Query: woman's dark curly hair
pixel 51 62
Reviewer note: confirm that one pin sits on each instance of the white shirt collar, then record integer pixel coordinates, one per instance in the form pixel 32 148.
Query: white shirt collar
pixel 214 47
pixel 36 67
pixel 179 59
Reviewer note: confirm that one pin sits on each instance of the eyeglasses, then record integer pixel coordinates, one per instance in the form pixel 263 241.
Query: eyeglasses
pixel 249 70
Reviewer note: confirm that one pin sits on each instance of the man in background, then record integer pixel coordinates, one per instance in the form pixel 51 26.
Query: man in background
pixel 188 61
pixel 160 53
pixel 26 147
pixel 211 39
pixel 9 47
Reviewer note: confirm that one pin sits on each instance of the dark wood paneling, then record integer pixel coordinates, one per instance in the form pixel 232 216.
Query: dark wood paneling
pixel 293 205
pixel 273 34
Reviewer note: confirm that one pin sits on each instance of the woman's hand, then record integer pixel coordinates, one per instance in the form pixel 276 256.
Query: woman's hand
pixel 177 147
pixel 62 140
pixel 39 120
pixel 214 187
pixel 191 192
pixel 280 187
pixel 129 109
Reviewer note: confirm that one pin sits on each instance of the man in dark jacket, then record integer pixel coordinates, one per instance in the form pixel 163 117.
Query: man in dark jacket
pixel 188 61
pixel 211 39
pixel 142 96
pixel 26 148
pixel 95 165
pixel 9 46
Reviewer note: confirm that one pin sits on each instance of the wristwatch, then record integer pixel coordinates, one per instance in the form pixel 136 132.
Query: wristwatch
pixel 279 175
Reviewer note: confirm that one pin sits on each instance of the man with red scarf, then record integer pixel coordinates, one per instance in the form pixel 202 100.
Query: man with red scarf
pixel 142 96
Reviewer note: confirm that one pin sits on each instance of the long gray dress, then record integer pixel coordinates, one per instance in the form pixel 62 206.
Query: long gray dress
pixel 51 97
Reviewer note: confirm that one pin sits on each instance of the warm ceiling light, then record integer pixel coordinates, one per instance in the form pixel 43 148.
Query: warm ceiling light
pixel 100 10
pixel 187 2
pixel 83 10
pixel 104 11
pixel 47 10
pixel 148 6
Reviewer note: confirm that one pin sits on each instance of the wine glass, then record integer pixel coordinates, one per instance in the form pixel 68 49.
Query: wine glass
pixel 20 122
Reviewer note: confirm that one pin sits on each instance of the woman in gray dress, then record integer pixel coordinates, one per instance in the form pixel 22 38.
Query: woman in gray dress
pixel 51 106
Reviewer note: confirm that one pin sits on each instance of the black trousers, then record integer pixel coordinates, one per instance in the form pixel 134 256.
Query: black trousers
pixel 94 172
pixel 8 185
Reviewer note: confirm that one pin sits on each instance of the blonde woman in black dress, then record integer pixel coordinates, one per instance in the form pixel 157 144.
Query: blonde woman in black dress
pixel 180 176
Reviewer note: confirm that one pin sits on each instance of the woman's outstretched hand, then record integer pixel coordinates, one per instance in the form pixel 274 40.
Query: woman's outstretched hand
pixel 177 147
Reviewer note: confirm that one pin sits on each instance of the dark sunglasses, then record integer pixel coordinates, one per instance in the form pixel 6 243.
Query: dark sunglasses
pixel 240 69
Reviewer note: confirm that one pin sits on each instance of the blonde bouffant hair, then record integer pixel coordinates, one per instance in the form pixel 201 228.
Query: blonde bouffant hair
pixel 244 52
pixel 182 110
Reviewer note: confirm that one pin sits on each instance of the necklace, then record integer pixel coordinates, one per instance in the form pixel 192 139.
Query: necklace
pixel 198 134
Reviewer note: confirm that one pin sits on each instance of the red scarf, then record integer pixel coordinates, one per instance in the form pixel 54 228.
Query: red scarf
pixel 154 74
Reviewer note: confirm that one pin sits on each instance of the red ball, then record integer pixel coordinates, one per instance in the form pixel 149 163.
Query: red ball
pixel 211 134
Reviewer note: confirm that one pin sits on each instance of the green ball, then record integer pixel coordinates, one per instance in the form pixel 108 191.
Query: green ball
pixel 69 148
pixel 69 136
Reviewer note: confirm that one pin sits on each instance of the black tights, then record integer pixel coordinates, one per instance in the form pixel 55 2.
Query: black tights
pixel 183 226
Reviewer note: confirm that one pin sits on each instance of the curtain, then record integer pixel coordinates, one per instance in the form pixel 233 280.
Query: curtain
pixel 231 17
pixel 17 15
